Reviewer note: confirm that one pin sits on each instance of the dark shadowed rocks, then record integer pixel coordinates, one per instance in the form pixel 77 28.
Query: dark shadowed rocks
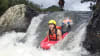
pixel 92 41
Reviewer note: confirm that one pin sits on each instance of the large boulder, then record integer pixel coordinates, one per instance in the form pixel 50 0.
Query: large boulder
pixel 92 41
pixel 17 18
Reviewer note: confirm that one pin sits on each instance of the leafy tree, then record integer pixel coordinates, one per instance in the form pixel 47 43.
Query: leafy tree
pixel 3 6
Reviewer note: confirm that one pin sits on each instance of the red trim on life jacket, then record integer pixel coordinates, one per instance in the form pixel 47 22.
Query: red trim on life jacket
pixel 59 27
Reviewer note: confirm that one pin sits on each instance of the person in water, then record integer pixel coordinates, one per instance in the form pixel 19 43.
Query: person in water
pixel 61 4
pixel 66 25
pixel 53 34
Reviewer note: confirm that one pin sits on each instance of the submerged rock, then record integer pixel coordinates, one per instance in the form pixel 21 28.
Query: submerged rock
pixel 92 41
pixel 17 18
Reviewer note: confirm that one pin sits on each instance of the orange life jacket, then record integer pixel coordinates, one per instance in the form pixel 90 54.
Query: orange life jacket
pixel 53 37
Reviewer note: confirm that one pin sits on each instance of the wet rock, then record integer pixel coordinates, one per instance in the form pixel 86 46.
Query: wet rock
pixel 92 41
pixel 17 18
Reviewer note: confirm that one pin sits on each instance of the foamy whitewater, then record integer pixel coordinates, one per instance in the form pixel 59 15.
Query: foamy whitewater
pixel 10 44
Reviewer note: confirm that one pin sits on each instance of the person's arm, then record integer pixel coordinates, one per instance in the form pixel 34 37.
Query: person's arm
pixel 59 34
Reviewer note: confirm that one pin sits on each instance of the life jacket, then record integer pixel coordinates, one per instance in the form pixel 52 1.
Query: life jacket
pixel 58 27
pixel 67 21
pixel 53 37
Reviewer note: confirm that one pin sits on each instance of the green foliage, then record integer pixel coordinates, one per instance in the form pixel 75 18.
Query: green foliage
pixel 5 4
pixel 53 8
pixel 35 6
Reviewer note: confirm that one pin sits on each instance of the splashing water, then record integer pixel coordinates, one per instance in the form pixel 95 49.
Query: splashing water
pixel 10 45
pixel 11 48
